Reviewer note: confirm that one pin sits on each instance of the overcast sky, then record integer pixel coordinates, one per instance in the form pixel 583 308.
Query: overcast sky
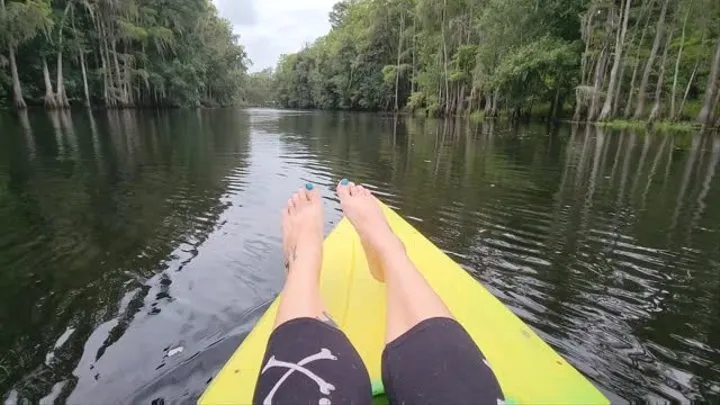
pixel 269 28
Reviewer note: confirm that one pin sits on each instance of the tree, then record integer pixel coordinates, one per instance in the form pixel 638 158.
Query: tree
pixel 619 45
pixel 640 108
pixel 508 58
pixel 705 115
pixel 123 53
pixel 260 89
pixel 21 21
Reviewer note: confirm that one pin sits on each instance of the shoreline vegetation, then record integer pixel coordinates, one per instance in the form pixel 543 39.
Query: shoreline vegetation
pixel 622 63
pixel 118 54
pixel 662 126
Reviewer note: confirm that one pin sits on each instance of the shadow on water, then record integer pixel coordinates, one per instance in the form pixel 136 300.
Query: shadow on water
pixel 139 248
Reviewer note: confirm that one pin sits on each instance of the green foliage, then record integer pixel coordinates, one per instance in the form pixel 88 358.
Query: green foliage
pixel 389 73
pixel 416 101
pixel 21 21
pixel 260 89
pixel 477 116
pixel 664 126
pixel 136 52
pixel 667 126
pixel 691 110
pixel 623 124
pixel 510 58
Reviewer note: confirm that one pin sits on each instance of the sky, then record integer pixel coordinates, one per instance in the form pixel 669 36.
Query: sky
pixel 270 28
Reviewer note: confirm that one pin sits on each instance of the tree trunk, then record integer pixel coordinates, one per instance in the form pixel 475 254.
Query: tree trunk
pixel 106 79
pixel 129 100
pixel 640 109
pixel 112 87
pixel 600 68
pixel 50 102
pixel 707 108
pixel 585 63
pixel 616 98
pixel 715 104
pixel 119 83
pixel 60 96
pixel 84 76
pixel 631 89
pixel 619 44
pixel 599 77
pixel 471 98
pixel 556 103
pixel 687 91
pixel 397 65
pixel 105 64
pixel 655 113
pixel 677 67
pixel 488 104
pixel 445 58
pixel 19 101
pixel 494 109
pixel 459 104
pixel 412 79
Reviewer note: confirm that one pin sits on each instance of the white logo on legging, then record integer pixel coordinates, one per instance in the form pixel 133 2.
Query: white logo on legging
pixel 324 386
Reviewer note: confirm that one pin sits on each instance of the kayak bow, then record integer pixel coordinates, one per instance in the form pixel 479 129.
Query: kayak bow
pixel 528 370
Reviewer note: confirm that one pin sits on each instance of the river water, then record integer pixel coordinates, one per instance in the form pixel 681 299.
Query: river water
pixel 137 249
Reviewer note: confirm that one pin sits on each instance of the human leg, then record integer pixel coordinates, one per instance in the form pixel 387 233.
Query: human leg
pixel 308 360
pixel 429 358
pixel 410 299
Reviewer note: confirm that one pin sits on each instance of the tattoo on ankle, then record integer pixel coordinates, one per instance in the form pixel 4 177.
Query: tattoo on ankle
pixel 289 259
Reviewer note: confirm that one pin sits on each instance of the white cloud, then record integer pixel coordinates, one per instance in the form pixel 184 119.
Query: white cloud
pixel 269 28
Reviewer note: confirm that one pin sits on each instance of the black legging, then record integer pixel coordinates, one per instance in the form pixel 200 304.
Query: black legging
pixel 436 362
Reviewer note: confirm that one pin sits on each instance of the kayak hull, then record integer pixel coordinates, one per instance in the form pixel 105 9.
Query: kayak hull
pixel 528 370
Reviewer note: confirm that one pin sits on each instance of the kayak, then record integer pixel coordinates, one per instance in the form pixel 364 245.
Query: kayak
pixel 528 370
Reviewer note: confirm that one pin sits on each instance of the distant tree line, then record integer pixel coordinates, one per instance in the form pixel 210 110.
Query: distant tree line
pixel 118 53
pixel 591 60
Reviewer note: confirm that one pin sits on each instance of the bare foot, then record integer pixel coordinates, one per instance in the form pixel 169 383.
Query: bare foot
pixel 364 212
pixel 302 224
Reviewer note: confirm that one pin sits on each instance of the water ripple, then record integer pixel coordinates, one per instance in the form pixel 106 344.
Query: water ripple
pixel 137 234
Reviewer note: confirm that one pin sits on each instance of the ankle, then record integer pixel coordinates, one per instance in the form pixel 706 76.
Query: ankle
pixel 306 252
pixel 389 246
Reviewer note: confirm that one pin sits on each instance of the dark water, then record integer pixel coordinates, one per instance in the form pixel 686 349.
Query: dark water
pixel 126 236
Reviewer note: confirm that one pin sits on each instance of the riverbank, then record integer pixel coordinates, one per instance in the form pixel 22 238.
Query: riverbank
pixel 665 126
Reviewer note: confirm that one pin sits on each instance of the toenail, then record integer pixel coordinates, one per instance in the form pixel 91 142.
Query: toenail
pixel 309 186
pixel 344 182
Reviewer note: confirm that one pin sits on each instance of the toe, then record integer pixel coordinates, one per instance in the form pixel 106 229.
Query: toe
pixel 298 198
pixel 353 189
pixel 306 195
pixel 285 221
pixel 343 190
pixel 313 195
pixel 290 209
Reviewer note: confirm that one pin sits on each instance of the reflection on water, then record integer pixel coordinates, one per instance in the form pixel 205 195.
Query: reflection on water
pixel 129 235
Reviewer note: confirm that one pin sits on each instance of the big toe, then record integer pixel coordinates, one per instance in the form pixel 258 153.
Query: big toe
pixel 298 199
pixel 313 196
pixel 343 189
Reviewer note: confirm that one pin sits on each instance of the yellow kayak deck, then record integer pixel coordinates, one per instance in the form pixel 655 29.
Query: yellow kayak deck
pixel 529 371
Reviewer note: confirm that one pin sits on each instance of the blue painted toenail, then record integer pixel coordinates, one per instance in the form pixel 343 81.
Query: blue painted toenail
pixel 344 182
pixel 309 186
